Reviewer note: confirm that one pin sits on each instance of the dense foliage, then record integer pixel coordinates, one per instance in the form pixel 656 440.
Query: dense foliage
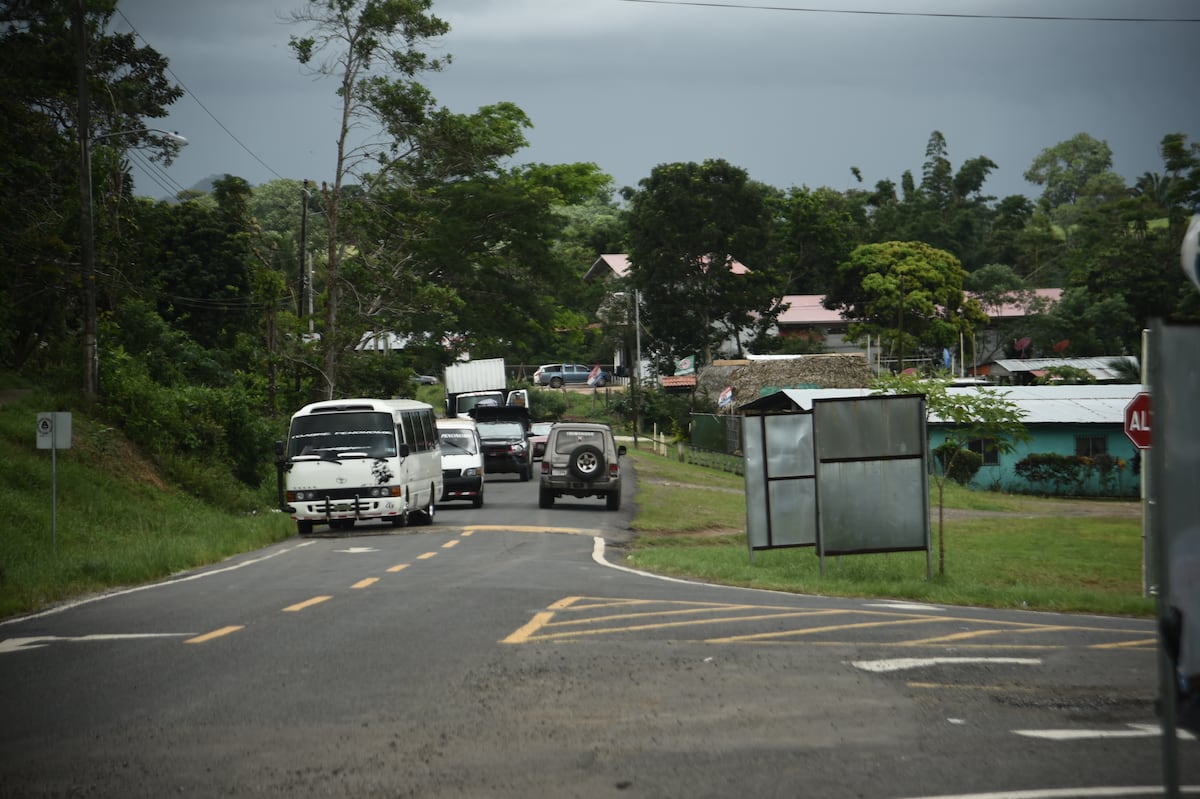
pixel 436 242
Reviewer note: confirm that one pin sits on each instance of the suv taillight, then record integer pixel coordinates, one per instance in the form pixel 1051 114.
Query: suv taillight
pixel 614 470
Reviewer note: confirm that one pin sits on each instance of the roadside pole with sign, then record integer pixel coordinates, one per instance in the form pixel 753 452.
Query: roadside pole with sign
pixel 1138 430
pixel 54 433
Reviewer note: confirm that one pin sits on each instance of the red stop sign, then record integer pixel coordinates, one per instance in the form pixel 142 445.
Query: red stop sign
pixel 1137 420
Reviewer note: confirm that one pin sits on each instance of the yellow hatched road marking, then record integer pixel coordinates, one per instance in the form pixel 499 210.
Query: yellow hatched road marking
pixel 579 616
pixel 522 635
pixel 736 639
pixel 962 636
pixel 308 603
pixel 1150 642
pixel 200 639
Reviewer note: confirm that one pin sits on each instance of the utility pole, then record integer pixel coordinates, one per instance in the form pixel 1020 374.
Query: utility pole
pixel 87 243
pixel 637 363
pixel 303 249
pixel 901 323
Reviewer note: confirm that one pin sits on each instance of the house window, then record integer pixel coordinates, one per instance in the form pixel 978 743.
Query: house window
pixel 1091 446
pixel 986 449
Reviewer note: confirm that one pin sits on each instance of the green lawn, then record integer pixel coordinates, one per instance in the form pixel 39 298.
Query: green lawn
pixel 691 523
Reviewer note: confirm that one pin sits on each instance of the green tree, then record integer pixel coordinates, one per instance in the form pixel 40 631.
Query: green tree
pixel 66 83
pixel 372 50
pixel 947 210
pixel 819 229
pixel 1066 170
pixel 908 293
pixel 965 416
pixel 688 222
pixel 482 267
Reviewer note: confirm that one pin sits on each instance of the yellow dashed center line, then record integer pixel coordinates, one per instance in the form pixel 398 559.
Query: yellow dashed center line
pixel 450 544
pixel 367 582
pixel 399 567
pixel 427 556
pixel 308 603
pixel 200 639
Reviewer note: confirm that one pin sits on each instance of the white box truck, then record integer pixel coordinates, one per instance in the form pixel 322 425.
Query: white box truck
pixel 485 381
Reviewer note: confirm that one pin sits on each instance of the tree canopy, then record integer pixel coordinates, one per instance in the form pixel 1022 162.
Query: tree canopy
pixel 688 225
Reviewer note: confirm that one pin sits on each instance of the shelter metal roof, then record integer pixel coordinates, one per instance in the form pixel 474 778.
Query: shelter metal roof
pixel 1100 368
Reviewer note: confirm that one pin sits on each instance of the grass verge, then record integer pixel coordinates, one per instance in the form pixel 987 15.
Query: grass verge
pixel 101 516
pixel 1033 557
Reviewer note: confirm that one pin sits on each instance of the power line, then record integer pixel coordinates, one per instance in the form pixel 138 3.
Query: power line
pixel 211 115
pixel 950 15
pixel 156 173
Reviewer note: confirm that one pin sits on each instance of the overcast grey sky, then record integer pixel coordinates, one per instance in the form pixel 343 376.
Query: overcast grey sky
pixel 795 92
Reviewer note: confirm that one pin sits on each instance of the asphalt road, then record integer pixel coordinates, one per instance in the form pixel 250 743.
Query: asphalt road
pixel 500 653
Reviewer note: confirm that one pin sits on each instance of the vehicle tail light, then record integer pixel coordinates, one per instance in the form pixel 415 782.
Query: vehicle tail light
pixel 614 470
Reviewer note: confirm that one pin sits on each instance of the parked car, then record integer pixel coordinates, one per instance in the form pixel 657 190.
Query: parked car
pixel 504 431
pixel 538 440
pixel 557 375
pixel 462 460
pixel 582 459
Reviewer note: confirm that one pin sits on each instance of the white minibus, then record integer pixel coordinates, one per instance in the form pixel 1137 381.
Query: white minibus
pixel 462 460
pixel 353 460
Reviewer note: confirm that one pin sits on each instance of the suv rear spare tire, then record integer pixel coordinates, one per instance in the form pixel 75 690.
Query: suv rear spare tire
pixel 587 462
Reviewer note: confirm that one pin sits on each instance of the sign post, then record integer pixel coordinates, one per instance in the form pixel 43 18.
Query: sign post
pixel 1137 420
pixel 54 433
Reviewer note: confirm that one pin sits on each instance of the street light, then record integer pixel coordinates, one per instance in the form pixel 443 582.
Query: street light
pixel 87 242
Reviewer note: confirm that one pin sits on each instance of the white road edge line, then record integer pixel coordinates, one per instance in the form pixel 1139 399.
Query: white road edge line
pixel 900 664
pixel 1068 793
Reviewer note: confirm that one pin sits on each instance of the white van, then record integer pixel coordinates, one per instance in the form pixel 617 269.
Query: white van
pixel 462 460
pixel 358 459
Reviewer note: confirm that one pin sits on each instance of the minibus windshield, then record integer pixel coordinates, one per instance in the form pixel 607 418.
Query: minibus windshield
pixel 334 435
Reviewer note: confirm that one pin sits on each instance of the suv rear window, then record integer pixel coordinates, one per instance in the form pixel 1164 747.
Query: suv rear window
pixel 568 440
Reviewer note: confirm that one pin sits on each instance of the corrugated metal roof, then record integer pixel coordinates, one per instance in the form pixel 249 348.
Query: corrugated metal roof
pixel 1100 368
pixel 1082 404
pixel 808 309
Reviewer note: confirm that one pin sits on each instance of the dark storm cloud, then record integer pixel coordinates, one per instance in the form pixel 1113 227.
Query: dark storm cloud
pixel 794 98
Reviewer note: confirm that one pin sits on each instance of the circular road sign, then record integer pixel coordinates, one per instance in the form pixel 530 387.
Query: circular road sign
pixel 1137 420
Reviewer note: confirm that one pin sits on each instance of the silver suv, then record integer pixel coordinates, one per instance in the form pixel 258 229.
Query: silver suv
pixel 581 460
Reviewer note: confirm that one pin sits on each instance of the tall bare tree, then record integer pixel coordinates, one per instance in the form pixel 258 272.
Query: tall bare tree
pixel 373 51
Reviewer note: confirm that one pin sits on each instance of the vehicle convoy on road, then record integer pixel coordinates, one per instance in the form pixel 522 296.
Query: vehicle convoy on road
pixel 557 375
pixel 352 460
pixel 505 433
pixel 462 460
pixel 482 382
pixel 581 460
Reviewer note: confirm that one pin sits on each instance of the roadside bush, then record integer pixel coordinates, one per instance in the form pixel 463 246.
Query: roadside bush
pixel 669 412
pixel 547 405
pixel 963 463
pixel 219 426
pixel 1050 470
